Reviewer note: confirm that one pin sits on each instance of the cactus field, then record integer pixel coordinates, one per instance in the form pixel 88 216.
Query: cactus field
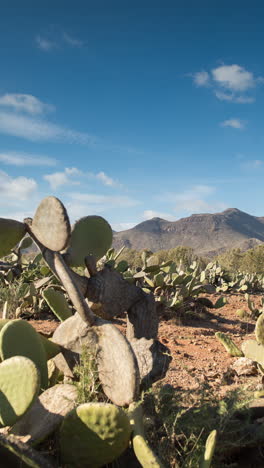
pixel 107 364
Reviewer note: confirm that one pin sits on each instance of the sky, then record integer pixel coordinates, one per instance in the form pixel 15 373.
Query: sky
pixel 132 109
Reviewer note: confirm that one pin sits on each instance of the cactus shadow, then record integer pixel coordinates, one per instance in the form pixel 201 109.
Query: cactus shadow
pixel 7 411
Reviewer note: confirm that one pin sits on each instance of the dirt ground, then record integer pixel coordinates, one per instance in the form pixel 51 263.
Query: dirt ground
pixel 197 356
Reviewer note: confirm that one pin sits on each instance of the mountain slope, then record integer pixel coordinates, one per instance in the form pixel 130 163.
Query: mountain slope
pixel 207 234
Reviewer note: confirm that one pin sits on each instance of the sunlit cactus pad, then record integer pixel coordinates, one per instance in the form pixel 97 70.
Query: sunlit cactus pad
pixel 51 225
pixel 19 338
pixel 259 329
pixel 19 386
pixel 94 434
pixel 11 233
pixel 91 235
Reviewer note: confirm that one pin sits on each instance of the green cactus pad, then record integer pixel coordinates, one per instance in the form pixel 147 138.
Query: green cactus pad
pixel 19 386
pixel 209 450
pixel 253 350
pixel 19 338
pixel 94 434
pixel 11 233
pixel 259 329
pixel 221 302
pixel 229 345
pixel 143 452
pixel 91 235
pixel 57 303
pixel 51 348
pixel 51 225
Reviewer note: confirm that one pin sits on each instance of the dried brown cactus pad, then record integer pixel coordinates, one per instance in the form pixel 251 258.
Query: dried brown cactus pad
pixel 51 225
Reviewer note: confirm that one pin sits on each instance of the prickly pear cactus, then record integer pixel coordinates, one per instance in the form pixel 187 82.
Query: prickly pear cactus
pixel 18 338
pixel 259 329
pixel 19 386
pixel 229 345
pixel 51 225
pixel 91 235
pixel 94 434
pixel 51 348
pixel 11 233
pixel 57 303
pixel 253 350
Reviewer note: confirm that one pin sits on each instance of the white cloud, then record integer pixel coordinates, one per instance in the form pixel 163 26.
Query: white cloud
pixel 255 164
pixel 233 123
pixel 233 98
pixel 36 129
pixel 57 179
pixel 24 103
pixel 201 78
pixel 233 77
pixel 22 159
pixel 229 83
pixel 149 214
pixel 16 188
pixel 45 44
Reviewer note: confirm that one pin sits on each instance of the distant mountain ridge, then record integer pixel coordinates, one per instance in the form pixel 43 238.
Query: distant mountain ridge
pixel 207 234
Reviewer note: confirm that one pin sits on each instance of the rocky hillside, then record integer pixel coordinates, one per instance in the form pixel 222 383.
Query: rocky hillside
pixel 207 234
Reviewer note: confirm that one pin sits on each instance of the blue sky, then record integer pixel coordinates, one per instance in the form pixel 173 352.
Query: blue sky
pixel 132 109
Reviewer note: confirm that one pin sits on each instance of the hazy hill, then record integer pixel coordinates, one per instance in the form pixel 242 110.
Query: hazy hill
pixel 208 234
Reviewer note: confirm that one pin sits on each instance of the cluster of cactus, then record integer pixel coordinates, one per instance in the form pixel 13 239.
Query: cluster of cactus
pixel 92 434
pixel 236 281
pixel 171 284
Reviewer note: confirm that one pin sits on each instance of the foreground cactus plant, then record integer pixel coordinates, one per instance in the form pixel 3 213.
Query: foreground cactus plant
pixel 58 303
pixel 94 434
pixel 19 387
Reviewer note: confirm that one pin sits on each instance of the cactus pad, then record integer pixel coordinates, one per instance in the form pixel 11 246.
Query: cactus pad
pixel 94 434
pixel 51 225
pixel 91 235
pixel 19 386
pixel 19 338
pixel 259 329
pixel 143 452
pixel 209 450
pixel 51 348
pixel 253 350
pixel 229 345
pixel 11 232
pixel 57 303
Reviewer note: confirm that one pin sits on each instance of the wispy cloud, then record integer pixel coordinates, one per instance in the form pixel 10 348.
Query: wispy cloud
pixel 104 179
pixel 57 40
pixel 38 129
pixel 193 200
pixel 233 123
pixel 67 177
pixel 255 164
pixel 24 103
pixel 45 44
pixel 15 188
pixel 201 78
pixel 230 83
pixel 72 41
pixel 115 201
pixel 22 159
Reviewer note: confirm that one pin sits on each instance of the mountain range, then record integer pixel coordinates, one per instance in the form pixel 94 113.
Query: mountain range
pixel 207 234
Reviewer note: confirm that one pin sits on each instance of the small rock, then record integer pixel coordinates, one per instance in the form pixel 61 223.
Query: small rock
pixel 244 366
